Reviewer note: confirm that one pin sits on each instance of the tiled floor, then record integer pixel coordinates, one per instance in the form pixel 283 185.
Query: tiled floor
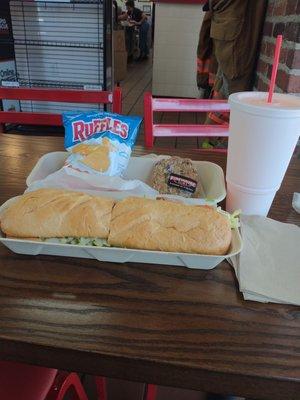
pixel 138 81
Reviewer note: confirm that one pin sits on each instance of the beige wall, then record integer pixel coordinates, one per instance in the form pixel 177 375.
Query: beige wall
pixel 177 28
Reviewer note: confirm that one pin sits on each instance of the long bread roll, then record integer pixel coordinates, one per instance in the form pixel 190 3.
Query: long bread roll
pixel 48 213
pixel 167 226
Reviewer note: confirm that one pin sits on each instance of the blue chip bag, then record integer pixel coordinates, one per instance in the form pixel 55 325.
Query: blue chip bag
pixel 100 142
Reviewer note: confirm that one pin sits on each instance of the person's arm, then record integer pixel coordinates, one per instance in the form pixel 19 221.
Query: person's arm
pixel 144 17
pixel 123 17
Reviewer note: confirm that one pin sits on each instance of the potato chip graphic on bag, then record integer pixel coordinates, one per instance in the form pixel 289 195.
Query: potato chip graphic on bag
pixel 95 156
pixel 99 142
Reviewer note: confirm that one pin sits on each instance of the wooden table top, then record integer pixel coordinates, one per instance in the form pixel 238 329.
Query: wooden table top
pixel 158 324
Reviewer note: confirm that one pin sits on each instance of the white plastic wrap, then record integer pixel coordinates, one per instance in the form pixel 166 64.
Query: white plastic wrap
pixel 48 173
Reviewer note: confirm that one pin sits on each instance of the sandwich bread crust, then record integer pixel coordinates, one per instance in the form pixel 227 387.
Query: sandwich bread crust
pixel 58 213
pixel 139 223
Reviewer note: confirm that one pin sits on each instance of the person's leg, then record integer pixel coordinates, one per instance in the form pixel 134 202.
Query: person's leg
pixel 129 42
pixel 141 41
pixel 144 40
pixel 147 26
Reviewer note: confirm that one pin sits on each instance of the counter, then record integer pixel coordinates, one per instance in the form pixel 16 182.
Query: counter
pixel 177 27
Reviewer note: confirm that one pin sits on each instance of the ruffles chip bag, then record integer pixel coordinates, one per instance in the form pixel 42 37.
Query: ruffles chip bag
pixel 99 143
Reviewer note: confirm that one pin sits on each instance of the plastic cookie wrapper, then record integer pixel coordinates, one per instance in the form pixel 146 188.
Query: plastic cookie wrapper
pixel 176 176
pixel 99 143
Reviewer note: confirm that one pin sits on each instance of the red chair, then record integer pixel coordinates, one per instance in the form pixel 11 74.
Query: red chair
pixel 150 394
pixel 58 95
pixel 28 382
pixel 152 130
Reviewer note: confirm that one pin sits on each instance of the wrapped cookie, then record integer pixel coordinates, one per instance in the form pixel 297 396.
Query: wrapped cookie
pixel 99 142
pixel 176 176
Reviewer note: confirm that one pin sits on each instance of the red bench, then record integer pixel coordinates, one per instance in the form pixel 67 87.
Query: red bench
pixel 59 95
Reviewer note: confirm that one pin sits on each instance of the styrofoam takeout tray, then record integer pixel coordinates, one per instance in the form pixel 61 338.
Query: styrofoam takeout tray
pixel 140 168
pixel 212 179
pixel 119 255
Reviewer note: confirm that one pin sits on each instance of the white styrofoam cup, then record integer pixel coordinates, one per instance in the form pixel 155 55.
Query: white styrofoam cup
pixel 262 138
pixel 250 201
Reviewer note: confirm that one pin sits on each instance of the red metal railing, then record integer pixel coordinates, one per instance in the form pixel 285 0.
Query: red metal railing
pixel 152 130
pixel 60 95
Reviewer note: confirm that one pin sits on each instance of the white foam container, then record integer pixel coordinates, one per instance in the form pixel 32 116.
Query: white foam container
pixel 212 179
pixel 118 255
pixel 140 168
pixel 262 138
pixel 250 201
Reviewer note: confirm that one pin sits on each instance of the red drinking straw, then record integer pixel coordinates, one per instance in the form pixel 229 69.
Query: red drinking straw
pixel 275 67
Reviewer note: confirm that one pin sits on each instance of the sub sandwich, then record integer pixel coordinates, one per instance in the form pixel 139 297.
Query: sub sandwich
pixel 135 223
pixel 55 213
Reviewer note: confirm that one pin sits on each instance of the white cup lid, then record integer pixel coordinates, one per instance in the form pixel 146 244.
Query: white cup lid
pixel 282 106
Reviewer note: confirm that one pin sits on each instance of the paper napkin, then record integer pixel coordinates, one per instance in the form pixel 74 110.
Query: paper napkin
pixel 268 268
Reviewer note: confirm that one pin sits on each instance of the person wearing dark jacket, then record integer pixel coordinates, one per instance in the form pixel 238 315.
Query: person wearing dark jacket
pixel 136 17
pixel 206 62
pixel 230 35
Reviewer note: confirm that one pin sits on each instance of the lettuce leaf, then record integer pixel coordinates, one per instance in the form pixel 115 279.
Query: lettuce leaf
pixel 233 218
pixel 80 241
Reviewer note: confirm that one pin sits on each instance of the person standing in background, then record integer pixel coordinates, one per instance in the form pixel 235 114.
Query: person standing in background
pixel 117 11
pixel 118 16
pixel 235 28
pixel 206 62
pixel 139 19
